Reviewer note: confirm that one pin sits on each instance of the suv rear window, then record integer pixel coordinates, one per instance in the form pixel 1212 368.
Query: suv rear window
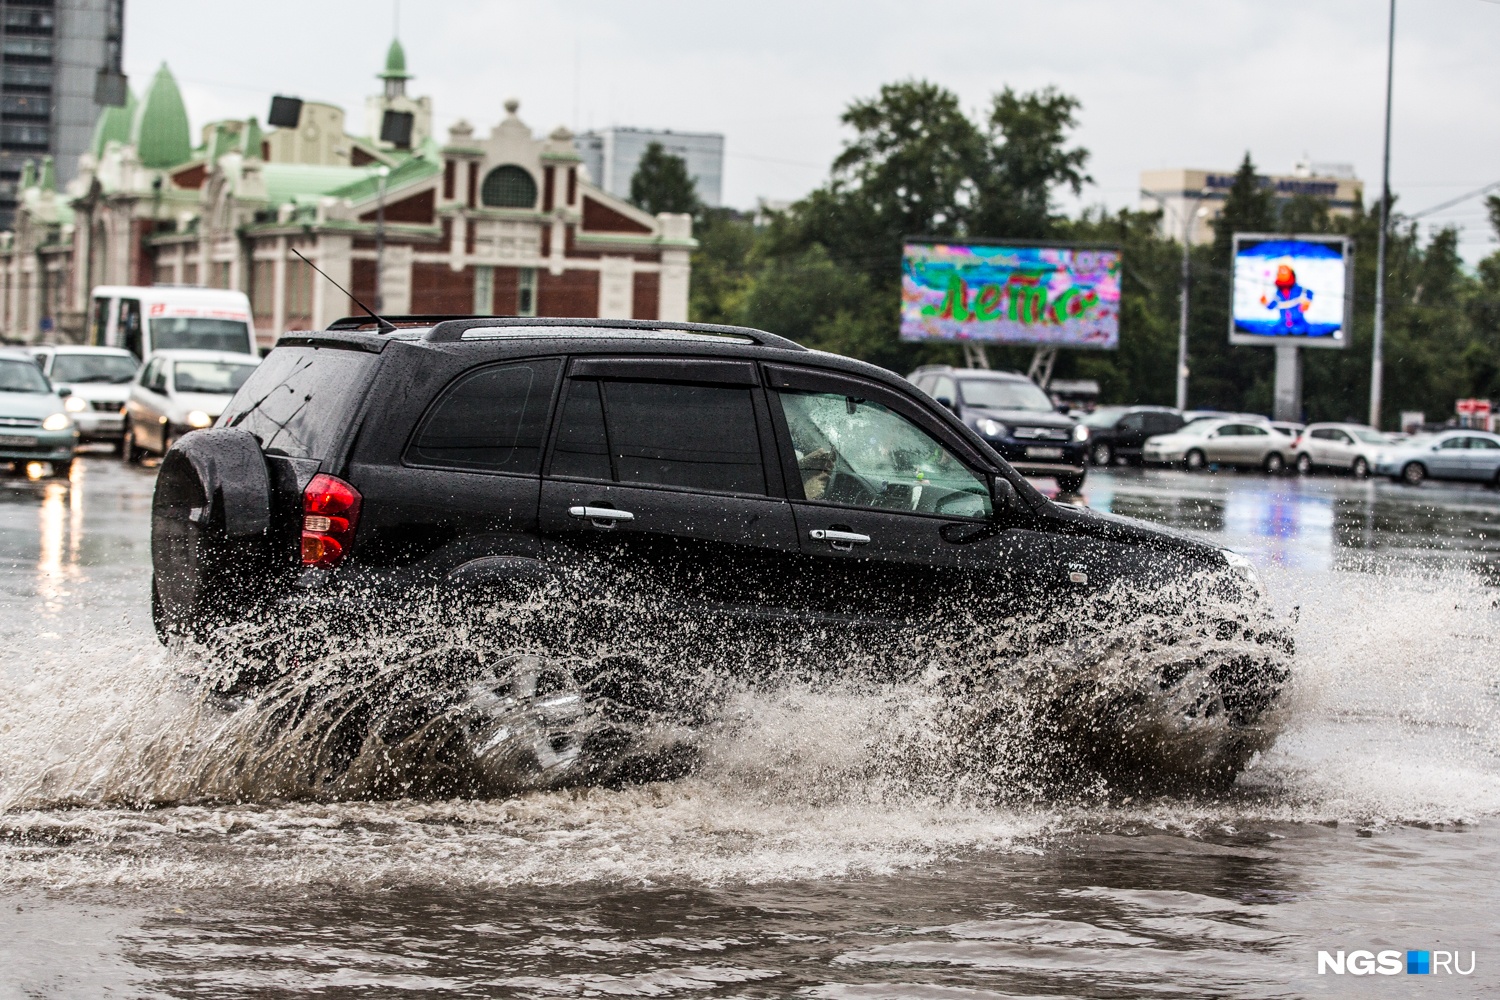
pixel 661 434
pixel 493 419
pixel 302 400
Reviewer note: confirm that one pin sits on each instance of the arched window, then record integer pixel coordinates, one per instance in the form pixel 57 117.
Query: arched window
pixel 508 187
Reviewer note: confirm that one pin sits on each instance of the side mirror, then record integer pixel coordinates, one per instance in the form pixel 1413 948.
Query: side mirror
pixel 1003 495
pixel 63 392
pixel 945 402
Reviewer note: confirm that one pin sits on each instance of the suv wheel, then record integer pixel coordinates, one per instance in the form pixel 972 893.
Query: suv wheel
pixel 1274 464
pixel 1196 461
pixel 1414 473
pixel 1361 468
pixel 1304 464
pixel 1103 454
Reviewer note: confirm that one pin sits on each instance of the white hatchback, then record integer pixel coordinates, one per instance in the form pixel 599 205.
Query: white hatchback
pixel 180 391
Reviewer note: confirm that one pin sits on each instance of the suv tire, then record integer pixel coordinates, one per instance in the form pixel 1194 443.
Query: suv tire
pixel 210 517
pixel 1102 454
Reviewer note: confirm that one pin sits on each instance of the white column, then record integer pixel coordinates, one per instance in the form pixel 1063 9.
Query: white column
pixel 333 256
pixel 616 288
pixel 395 280
pixel 673 289
pixel 278 289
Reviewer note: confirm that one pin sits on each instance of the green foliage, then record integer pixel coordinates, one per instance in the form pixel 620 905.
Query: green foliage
pixel 662 183
pixel 828 272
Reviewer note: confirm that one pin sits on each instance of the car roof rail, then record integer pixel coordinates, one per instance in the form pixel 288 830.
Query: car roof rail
pixel 363 322
pixel 452 329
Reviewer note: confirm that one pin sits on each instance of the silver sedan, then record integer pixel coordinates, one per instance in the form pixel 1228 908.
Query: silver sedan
pixel 1240 443
pixel 1460 454
pixel 179 391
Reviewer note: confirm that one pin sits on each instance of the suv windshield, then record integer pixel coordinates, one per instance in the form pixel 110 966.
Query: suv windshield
pixel 171 333
pixel 995 394
pixel 1105 416
pixel 22 376
pixel 222 377
pixel 115 369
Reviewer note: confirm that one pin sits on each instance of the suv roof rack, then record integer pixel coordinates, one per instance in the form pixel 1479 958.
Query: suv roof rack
pixel 453 330
pixel 448 329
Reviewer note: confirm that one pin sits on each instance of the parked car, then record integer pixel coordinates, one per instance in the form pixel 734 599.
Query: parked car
pixel 1351 448
pixel 98 380
pixel 34 423
pixel 1120 432
pixel 1014 417
pixel 1456 454
pixel 1239 443
pixel 677 486
pixel 1288 427
pixel 176 392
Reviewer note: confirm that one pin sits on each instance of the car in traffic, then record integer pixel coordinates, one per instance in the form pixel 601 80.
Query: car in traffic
pixel 1240 444
pixel 720 496
pixel 1118 433
pixel 1458 454
pixel 34 423
pixel 98 381
pixel 1015 417
pixel 1338 447
pixel 144 319
pixel 176 392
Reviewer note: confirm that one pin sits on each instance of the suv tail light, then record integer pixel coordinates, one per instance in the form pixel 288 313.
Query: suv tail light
pixel 330 513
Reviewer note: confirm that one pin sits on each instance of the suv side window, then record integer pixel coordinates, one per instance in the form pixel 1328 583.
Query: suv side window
pixel 858 453
pixel 1133 422
pixel 698 437
pixel 493 419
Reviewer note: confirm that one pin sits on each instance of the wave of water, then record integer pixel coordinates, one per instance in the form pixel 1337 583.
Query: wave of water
pixel 114 771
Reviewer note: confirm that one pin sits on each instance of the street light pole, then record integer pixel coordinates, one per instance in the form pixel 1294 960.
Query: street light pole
pixel 381 173
pixel 1182 315
pixel 1377 352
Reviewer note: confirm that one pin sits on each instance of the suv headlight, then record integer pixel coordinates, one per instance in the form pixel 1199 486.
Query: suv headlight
pixel 198 418
pixel 57 422
pixel 992 428
pixel 1081 432
pixel 75 404
pixel 1245 569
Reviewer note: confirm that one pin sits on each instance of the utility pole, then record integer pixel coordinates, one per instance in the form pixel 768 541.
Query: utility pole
pixel 1186 282
pixel 1377 352
pixel 381 173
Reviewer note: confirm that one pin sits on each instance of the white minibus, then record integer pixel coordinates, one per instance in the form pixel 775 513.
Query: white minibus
pixel 148 318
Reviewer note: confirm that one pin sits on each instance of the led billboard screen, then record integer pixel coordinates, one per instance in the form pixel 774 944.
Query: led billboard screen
pixel 1290 289
pixel 1058 296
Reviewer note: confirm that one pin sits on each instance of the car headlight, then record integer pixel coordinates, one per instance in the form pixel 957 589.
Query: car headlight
pixel 57 422
pixel 1245 568
pixel 199 419
pixel 992 428
pixel 1081 432
pixel 75 404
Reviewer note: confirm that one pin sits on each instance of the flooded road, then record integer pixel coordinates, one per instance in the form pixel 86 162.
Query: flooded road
pixel 788 863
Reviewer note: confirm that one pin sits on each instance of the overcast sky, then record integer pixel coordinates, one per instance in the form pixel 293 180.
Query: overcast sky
pixel 1191 83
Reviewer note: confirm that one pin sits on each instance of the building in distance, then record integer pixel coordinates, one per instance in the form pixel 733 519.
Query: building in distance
pixel 1181 192
pixel 611 156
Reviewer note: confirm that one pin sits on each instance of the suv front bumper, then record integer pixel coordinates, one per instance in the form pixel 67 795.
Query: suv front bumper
pixel 1051 458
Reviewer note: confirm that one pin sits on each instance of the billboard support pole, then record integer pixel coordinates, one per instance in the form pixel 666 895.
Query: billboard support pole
pixel 1377 349
pixel 1042 362
pixel 975 356
pixel 1287 403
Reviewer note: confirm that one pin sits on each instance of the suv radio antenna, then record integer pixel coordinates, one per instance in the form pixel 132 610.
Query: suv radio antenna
pixel 384 325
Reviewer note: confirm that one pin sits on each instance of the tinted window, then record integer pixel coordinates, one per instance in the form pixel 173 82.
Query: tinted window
pixel 492 419
pixel 860 454
pixel 582 450
pixel 1162 423
pixel 1133 422
pixel 301 400
pixel 693 436
pixel 1105 416
pixel 1482 443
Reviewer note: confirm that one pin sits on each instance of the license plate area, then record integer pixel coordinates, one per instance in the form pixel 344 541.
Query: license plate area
pixel 1032 451
pixel 16 441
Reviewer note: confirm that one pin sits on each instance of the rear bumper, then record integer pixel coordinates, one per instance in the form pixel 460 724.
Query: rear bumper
pixel 99 426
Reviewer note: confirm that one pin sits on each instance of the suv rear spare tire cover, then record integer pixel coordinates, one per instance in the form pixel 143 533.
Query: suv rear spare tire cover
pixel 209 519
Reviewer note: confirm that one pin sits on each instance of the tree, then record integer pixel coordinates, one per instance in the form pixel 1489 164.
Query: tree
pixel 1026 159
pixel 662 183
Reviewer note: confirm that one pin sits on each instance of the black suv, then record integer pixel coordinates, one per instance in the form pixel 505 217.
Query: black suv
pixel 1014 417
pixel 721 494
pixel 1120 432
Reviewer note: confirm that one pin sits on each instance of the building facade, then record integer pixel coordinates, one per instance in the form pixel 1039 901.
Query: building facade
pixel 1182 193
pixel 504 223
pixel 51 54
pixel 612 155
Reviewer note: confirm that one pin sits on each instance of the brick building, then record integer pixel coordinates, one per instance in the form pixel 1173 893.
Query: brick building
pixel 506 223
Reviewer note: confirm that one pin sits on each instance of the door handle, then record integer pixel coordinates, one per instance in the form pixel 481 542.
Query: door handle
pixel 843 541
pixel 602 517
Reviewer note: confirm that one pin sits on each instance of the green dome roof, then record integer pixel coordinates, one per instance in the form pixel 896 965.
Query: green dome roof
pixel 114 125
pixel 395 62
pixel 161 135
